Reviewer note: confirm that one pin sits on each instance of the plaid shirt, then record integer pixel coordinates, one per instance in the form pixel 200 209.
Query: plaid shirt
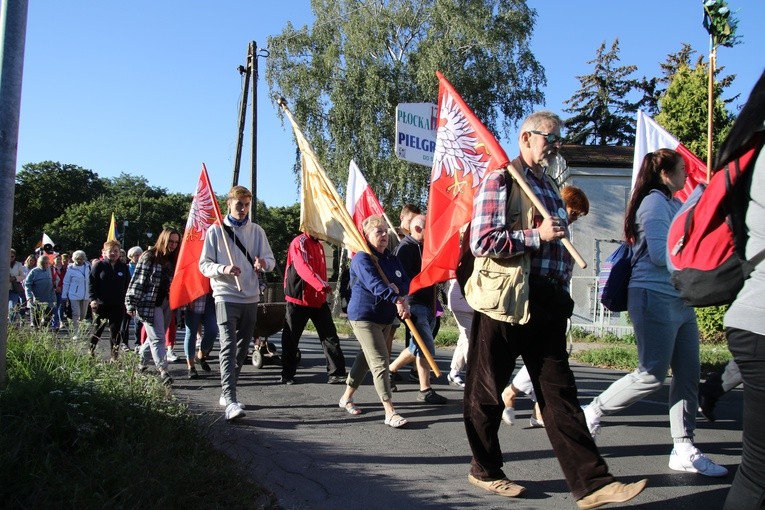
pixel 490 234
pixel 142 292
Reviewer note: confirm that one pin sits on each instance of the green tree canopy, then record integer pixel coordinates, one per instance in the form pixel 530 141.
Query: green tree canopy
pixel 44 191
pixel 602 112
pixel 345 75
pixel 684 111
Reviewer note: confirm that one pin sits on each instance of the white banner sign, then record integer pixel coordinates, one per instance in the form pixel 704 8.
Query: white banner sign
pixel 416 132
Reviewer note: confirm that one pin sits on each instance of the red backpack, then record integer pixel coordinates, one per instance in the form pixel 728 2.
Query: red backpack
pixel 707 237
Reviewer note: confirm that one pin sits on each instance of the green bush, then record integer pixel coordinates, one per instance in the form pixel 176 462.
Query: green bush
pixel 74 434
pixel 710 321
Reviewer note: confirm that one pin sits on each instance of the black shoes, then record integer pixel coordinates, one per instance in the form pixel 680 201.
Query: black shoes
pixel 710 392
pixel 286 380
pixel 337 379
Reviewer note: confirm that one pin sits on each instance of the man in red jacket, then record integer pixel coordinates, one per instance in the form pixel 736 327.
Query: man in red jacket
pixel 305 290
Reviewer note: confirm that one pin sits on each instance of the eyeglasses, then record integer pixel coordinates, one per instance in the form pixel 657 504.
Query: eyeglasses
pixel 550 138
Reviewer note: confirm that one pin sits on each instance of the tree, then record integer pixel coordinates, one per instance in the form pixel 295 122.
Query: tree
pixel 602 113
pixel 344 77
pixel 654 88
pixel 684 108
pixel 44 191
pixel 281 225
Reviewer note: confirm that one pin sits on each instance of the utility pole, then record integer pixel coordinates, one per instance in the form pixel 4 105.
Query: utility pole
pixel 250 73
pixel 13 32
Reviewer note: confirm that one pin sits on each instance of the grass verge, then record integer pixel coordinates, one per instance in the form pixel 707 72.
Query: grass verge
pixel 80 433
pixel 624 357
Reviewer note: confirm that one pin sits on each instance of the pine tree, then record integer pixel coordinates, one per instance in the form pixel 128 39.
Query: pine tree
pixel 602 113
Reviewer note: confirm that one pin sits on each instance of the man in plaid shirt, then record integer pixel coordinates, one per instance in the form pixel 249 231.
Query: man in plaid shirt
pixel 519 291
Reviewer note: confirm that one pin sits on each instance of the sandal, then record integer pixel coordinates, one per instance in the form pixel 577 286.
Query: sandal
pixel 395 420
pixel 349 406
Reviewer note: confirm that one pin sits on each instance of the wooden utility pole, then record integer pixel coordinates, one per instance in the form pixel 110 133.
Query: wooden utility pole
pixel 250 72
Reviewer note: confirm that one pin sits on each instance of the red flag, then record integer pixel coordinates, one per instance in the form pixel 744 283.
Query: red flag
pixel 465 152
pixel 188 282
pixel 649 137
pixel 360 200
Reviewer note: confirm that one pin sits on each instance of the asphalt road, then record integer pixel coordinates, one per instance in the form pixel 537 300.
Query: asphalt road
pixel 296 441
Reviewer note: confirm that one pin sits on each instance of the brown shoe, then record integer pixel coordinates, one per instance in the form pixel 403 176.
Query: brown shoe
pixel 503 486
pixel 614 492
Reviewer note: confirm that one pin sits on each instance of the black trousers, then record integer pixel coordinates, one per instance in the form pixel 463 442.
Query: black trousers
pixel 748 488
pixel 113 315
pixel 493 349
pixel 296 318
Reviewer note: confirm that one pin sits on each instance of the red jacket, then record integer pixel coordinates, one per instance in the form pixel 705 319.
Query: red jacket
pixel 305 279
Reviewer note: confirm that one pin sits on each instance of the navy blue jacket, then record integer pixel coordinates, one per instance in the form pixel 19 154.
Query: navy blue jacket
pixel 371 299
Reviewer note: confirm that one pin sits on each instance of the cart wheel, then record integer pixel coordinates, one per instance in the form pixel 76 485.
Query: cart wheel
pixel 271 347
pixel 299 356
pixel 257 359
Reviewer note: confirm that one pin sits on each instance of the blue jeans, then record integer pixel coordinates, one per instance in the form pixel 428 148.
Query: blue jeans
pixel 209 327
pixel 56 321
pixel 424 321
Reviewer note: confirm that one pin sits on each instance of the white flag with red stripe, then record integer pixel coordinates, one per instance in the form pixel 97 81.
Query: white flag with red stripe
pixel 650 136
pixel 360 200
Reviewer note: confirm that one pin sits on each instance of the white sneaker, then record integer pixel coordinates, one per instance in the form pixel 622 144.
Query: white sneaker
pixel 171 357
pixel 508 416
pixel 534 423
pixel 455 380
pixel 593 422
pixel 695 462
pixel 233 411
pixel 222 402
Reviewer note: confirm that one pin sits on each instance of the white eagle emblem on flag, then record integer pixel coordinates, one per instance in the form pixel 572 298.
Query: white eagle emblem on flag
pixel 456 148
pixel 202 213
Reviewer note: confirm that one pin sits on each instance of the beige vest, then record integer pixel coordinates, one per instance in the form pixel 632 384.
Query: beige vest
pixel 498 287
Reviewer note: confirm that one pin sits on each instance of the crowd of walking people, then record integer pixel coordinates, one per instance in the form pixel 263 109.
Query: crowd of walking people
pixel 515 303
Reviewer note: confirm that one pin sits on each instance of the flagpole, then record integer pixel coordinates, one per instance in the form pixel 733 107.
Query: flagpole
pixel 415 334
pixel 543 211
pixel 408 321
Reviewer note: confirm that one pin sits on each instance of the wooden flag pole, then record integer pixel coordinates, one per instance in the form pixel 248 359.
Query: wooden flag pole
pixel 544 212
pixel 415 334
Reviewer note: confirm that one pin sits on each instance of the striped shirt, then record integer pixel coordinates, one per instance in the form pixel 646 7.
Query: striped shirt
pixel 490 234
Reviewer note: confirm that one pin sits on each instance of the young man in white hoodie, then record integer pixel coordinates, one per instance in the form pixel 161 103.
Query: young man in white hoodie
pixel 235 286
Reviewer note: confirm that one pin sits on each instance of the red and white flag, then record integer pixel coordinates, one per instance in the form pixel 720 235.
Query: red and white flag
pixel 189 283
pixel 360 200
pixel 650 136
pixel 465 152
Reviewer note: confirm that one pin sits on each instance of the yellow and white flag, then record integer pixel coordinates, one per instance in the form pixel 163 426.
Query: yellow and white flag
pixel 322 211
pixel 112 234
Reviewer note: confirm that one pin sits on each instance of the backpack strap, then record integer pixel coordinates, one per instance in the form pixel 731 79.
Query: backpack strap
pixel 238 243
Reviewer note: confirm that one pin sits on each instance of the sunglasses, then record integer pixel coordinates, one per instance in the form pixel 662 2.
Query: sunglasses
pixel 550 138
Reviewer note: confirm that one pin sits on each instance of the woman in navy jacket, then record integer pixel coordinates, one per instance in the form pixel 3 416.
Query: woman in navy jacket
pixel 373 306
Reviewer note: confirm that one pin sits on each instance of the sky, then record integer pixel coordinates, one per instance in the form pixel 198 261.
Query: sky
pixel 152 89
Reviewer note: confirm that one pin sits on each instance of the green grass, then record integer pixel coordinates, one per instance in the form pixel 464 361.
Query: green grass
pixel 79 433
pixel 624 357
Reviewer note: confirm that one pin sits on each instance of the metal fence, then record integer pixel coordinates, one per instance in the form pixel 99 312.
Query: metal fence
pixel 589 313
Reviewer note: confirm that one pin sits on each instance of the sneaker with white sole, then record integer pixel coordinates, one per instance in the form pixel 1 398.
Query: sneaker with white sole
pixel 534 423
pixel 171 357
pixel 222 402
pixel 455 380
pixel 508 416
pixel 695 462
pixel 593 422
pixel 233 411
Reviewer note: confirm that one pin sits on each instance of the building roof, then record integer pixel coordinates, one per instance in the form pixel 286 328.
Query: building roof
pixel 601 156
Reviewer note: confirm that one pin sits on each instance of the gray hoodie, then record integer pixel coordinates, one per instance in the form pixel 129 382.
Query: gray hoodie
pixel 215 258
